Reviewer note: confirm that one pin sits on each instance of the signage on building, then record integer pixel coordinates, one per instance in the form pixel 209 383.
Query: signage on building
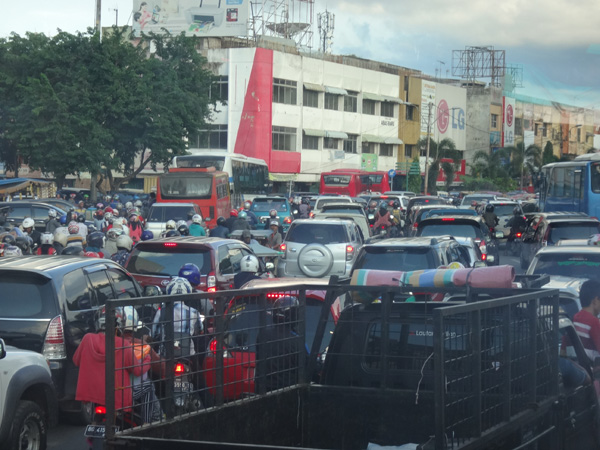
pixel 448 106
pixel 508 127
pixel 368 162
pixel 195 18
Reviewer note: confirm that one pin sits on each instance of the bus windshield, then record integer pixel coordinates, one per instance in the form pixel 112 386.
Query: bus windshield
pixel 185 187
pixel 267 204
pixel 201 162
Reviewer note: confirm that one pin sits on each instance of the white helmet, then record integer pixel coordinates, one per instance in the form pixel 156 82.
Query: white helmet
pixel 197 218
pixel 128 205
pixel 47 239
pixel 52 213
pixel 124 242
pixel 127 319
pixel 249 263
pixel 179 285
pixel 60 238
pixel 12 250
pixel 108 216
pixel 594 239
pixel 171 225
pixel 138 204
pixel 181 222
pixel 114 232
pixel 28 223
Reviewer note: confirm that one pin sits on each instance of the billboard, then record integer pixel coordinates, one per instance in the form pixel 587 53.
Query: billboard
pixel 194 17
pixel 508 126
pixel 448 107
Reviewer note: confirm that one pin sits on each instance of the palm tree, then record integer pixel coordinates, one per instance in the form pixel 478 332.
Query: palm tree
pixel 445 149
pixel 521 157
pixel 491 164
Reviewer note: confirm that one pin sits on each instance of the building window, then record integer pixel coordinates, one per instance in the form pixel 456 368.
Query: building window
pixel 351 102
pixel 330 143
pixel 213 138
pixel 284 138
pixel 284 91
pixel 310 142
pixel 494 121
pixel 221 87
pixel 332 101
pixel 410 112
pixel 518 126
pixel 386 150
pixel 351 144
pixel 368 107
pixel 368 147
pixel 310 98
pixel 423 152
pixel 545 129
pixel 578 135
pixel 408 151
pixel 387 109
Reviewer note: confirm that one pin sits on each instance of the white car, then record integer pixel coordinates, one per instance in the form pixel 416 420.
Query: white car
pixel 160 213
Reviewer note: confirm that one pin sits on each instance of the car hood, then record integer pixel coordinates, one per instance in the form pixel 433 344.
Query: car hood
pixel 566 284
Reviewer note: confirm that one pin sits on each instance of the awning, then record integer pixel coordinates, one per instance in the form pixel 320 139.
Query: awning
pixel 336 134
pixel 12 185
pixel 373 138
pixel 392 99
pixel 336 91
pixel 314 87
pixel 311 132
pixel 394 141
pixel 376 97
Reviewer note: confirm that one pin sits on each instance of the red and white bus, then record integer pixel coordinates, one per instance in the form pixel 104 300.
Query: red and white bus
pixel 208 188
pixel 353 181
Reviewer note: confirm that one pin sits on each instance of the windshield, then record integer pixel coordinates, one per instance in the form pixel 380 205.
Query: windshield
pixel 341 209
pixel 201 161
pixel 404 259
pixel 309 233
pixel 160 260
pixel 476 198
pixel 504 210
pixel 26 296
pixel 572 230
pixel 267 204
pixel 164 213
pixel 181 186
pixel 453 229
pixel 568 264
pixel 337 180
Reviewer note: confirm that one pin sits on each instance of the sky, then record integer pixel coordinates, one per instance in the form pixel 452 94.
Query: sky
pixel 556 42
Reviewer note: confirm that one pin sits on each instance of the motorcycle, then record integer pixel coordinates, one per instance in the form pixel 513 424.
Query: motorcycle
pixel 514 241
pixel 95 431
pixel 185 398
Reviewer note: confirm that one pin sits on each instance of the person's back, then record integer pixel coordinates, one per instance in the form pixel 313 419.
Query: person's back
pixel 586 321
pixel 197 230
pixel 240 224
pixel 304 211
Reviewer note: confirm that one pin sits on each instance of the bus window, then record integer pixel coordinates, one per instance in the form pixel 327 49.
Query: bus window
pixel 595 177
pixel 568 182
pixel 558 182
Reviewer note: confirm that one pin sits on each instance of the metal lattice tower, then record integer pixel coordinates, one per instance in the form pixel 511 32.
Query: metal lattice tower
pixel 289 19
pixel 479 62
pixel 514 73
pixel 326 23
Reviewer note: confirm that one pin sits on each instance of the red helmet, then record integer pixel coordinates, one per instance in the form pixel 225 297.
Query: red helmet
pixel 108 209
pixel 91 254
pixel 234 213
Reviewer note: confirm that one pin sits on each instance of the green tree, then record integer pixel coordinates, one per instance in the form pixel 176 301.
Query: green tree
pixel 491 164
pixel 445 149
pixel 415 181
pixel 548 154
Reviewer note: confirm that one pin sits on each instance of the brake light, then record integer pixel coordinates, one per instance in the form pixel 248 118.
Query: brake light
pixel 179 368
pixel 170 244
pixel 54 343
pixel 213 348
pixel 415 225
pixel 311 215
pixel 483 256
pixel 483 247
pixel 384 197
pixel 100 410
pixel 448 219
pixel 283 247
pixel 211 282
pixel 518 235
pixel 287 220
pixel 349 252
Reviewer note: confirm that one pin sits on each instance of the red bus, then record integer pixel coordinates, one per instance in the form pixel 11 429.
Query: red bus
pixel 353 181
pixel 207 188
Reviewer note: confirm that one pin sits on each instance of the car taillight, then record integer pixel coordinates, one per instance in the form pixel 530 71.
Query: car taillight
pixel 518 235
pixel 349 252
pixel 283 247
pixel 170 244
pixel 211 282
pixel 311 215
pixel 483 256
pixel 483 247
pixel 448 219
pixel 287 220
pixel 54 344
pixel 100 410
pixel 213 348
pixel 415 225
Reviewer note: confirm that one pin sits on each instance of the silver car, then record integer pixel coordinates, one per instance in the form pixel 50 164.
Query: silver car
pixel 319 247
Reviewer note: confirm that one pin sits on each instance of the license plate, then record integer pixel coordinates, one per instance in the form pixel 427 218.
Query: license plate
pixel 182 386
pixel 96 431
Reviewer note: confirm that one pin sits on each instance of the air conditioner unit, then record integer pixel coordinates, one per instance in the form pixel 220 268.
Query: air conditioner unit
pixel 205 14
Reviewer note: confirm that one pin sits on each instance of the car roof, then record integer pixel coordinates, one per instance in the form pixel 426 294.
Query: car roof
pixel 568 249
pixel 417 241
pixel 461 218
pixel 282 282
pixel 503 202
pixel 322 221
pixel 573 220
pixel 344 205
pixel 41 264
pixel 191 241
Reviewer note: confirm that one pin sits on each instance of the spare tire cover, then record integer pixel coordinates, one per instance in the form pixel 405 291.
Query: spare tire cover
pixel 315 260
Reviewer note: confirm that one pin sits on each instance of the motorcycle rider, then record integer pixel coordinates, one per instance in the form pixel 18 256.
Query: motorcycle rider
pixel 382 218
pixel 489 217
pixel 196 228
pixel 96 242
pixel 304 208
pixel 248 271
pixel 135 228
pixel 251 218
pixel 233 215
pixel 29 228
pixel 221 229
pixel 169 226
pixel 52 224
pixel 46 247
pixel 124 246
pixel 517 224
pixel 240 223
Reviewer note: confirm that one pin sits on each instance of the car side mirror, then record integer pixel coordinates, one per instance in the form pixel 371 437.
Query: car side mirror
pixel 491 259
pixel 2 349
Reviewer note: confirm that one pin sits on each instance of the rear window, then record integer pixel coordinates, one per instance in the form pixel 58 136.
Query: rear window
pixel 572 230
pixel 166 261
pixel 164 213
pixel 453 229
pixel 504 210
pixel 325 201
pixel 426 201
pixel 312 233
pixel 342 209
pixel 568 265
pixel 337 180
pixel 402 259
pixel 26 296
pixel 267 204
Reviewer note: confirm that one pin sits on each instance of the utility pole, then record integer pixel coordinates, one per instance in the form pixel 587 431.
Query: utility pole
pixel 98 24
pixel 427 151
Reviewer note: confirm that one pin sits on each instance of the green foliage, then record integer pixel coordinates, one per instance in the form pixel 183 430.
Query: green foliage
pixel 548 154
pixel 445 149
pixel 490 165
pixel 489 184
pixel 415 181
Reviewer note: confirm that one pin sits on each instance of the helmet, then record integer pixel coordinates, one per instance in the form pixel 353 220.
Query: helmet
pixel 221 221
pixel 516 211
pixel 73 250
pixel 119 206
pixel 249 263
pixel 99 205
pixel 60 238
pixel 180 222
pixel 127 319
pixel 128 205
pixel 91 228
pixel 73 228
pixel 190 272
pixel 183 229
pixel 391 203
pixel 285 310
pixel 247 204
pixel 91 254
pixel 28 223
pixel 172 233
pixel 138 204
pixel 108 216
pixel 274 223
pixel 179 285
pixel 63 220
pixel 124 242
pixel 72 195
pixel 171 225
pixel 133 218
pixel 96 239
pixel 147 235
pixel 108 209
pixel 243 215
pixel 246 234
pixel 383 205
pixel 12 250
pixel 396 204
pixel 152 291
pixel 23 243
pixel 197 218
pixel 9 239
pixel 234 213
pixel 273 213
pixel 99 214
pixel 489 207
pixel 114 232
pixel 594 239
pixel 52 213
pixel 372 204
pixel 47 239
pixel 115 213
pixel 81 218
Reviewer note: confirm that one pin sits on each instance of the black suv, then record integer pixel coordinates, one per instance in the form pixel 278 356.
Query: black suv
pixel 548 228
pixel 464 226
pixel 408 254
pixel 17 211
pixel 49 302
